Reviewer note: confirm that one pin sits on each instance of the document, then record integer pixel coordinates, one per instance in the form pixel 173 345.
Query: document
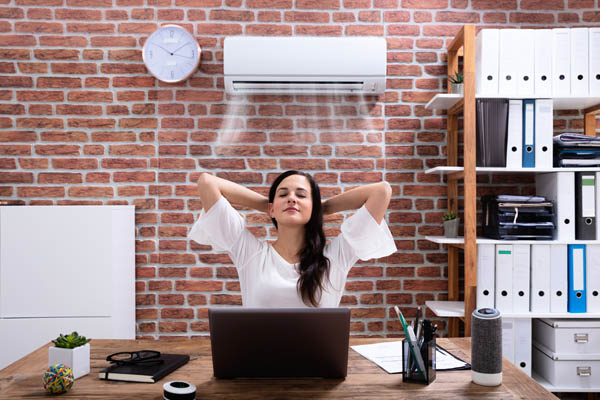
pixel 579 62
pixel 577 293
pixel 561 62
pixel 486 62
pixel 509 62
pixel 594 55
pixel 521 278
pixel 529 134
pixel 544 119
pixel 485 275
pixel 388 355
pixel 543 63
pixel 559 187
pixel 593 277
pixel 504 278
pixel 525 69
pixel 514 140
pixel 558 278
pixel 585 206
pixel 540 278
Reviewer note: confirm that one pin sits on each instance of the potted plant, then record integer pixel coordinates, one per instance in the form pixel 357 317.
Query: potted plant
pixel 451 222
pixel 72 350
pixel 457 83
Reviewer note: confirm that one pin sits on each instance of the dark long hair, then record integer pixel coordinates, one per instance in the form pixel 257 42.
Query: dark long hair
pixel 314 266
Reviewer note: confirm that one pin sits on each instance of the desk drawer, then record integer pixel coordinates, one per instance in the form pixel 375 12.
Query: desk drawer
pixel 568 336
pixel 566 370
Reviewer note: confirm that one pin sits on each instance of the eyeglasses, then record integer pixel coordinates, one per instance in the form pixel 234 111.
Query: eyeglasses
pixel 145 357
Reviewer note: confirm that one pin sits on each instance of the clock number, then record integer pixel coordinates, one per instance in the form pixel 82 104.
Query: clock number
pixel 150 54
pixel 171 33
pixel 172 74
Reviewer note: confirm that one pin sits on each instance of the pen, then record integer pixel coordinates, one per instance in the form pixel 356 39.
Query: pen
pixel 418 325
pixel 412 342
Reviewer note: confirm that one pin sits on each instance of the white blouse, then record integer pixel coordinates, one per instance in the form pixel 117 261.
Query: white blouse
pixel 266 278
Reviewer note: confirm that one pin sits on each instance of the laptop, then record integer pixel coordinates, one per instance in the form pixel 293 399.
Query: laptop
pixel 279 342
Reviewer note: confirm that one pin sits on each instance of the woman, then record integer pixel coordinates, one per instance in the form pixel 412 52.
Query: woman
pixel 298 269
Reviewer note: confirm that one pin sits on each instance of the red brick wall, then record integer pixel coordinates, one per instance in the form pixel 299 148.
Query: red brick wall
pixel 84 123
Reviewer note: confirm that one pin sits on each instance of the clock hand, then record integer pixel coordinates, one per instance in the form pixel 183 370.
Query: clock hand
pixel 181 47
pixel 160 47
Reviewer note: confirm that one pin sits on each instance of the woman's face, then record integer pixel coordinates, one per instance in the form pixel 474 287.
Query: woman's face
pixel 292 204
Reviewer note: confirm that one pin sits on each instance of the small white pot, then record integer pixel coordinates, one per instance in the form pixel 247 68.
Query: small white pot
pixel 458 88
pixel 78 359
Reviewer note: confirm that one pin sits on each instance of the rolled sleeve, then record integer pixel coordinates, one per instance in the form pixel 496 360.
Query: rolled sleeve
pixel 368 238
pixel 220 227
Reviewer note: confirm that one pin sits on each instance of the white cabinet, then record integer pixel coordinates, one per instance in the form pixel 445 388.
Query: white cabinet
pixel 65 268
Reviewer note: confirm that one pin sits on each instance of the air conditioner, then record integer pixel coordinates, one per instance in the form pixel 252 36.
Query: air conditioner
pixel 312 65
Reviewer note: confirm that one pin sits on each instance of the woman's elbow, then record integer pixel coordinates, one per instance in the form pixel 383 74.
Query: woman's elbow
pixel 386 190
pixel 204 179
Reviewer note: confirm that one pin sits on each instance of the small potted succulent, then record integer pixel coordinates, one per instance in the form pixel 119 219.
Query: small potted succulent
pixel 72 350
pixel 457 83
pixel 451 222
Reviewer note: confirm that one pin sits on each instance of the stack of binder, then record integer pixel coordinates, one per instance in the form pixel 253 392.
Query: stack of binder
pixel 491 128
pixel 576 150
pixel 510 217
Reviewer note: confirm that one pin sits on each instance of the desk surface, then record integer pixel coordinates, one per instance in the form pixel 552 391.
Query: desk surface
pixel 23 379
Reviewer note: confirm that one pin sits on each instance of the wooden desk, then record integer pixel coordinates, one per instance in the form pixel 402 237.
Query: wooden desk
pixel 365 380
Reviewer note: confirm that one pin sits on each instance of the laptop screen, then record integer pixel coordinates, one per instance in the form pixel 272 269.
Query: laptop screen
pixel 279 342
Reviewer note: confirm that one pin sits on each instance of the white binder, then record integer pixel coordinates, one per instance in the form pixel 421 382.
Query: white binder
pixel 561 62
pixel 540 278
pixel 559 187
pixel 593 277
pixel 485 275
pixel 558 278
pixel 542 63
pixel 544 119
pixel 508 69
pixel 522 329
pixel 579 62
pixel 514 136
pixel 504 278
pixel 597 204
pixel 486 62
pixel 525 69
pixel 508 339
pixel 594 56
pixel 521 278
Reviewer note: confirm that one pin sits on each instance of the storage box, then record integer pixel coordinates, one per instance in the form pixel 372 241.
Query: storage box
pixel 568 336
pixel 567 370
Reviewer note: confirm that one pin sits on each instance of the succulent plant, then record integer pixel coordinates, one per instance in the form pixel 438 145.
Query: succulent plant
pixel 449 216
pixel 457 78
pixel 70 341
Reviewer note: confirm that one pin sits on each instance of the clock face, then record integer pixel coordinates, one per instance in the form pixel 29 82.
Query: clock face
pixel 171 54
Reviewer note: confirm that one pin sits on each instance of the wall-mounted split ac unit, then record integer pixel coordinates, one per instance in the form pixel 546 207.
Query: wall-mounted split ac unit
pixel 312 65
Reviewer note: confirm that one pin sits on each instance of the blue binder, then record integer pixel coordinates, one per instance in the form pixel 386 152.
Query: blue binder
pixel 528 148
pixel 576 302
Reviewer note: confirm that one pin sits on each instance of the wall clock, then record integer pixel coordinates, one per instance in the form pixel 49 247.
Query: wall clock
pixel 171 54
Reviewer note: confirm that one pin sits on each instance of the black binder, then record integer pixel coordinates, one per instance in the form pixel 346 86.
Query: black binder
pixel 585 205
pixel 491 130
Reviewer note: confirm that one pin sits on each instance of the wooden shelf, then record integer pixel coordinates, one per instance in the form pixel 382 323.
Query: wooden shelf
pixel 456 309
pixel 444 101
pixel 483 170
pixel 482 240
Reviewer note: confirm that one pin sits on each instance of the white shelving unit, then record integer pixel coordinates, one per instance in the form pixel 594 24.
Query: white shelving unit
pixel 456 309
pixel 444 101
pixel 481 240
pixel 561 389
pixel 483 170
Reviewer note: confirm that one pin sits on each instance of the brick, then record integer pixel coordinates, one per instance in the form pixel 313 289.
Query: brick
pixel 89 96
pixel 33 163
pixel 268 30
pixel 305 16
pixel 74 163
pixel 113 41
pixel 32 68
pixel 43 192
pixel 542 5
pixel 531 18
pixel 269 3
pixel 16 177
pixel 318 4
pixel 460 17
pixel 218 29
pixel 17 40
pixel 39 27
pixel 424 4
pixel 78 14
pixel 58 82
pixel 231 15
pixel 92 28
pixel 58 177
pixel 91 191
pixel 226 299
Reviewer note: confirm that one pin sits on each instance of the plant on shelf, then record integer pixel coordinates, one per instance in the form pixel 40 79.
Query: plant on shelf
pixel 70 341
pixel 456 82
pixel 451 223
pixel 73 351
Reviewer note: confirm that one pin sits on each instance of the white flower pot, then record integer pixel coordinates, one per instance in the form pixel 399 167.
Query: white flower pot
pixel 458 88
pixel 78 359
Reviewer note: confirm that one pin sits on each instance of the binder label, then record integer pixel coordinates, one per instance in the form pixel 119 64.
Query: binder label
pixel 588 196
pixel 504 252
pixel 578 269
pixel 529 123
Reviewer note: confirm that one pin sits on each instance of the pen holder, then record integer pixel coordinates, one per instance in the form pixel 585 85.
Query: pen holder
pixel 410 371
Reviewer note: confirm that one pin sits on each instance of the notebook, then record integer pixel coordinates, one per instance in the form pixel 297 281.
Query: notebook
pixel 145 373
pixel 276 343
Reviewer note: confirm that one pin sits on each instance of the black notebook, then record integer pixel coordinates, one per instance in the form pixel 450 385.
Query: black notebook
pixel 145 373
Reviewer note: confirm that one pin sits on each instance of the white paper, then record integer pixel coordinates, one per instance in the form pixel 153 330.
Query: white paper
pixel 388 355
